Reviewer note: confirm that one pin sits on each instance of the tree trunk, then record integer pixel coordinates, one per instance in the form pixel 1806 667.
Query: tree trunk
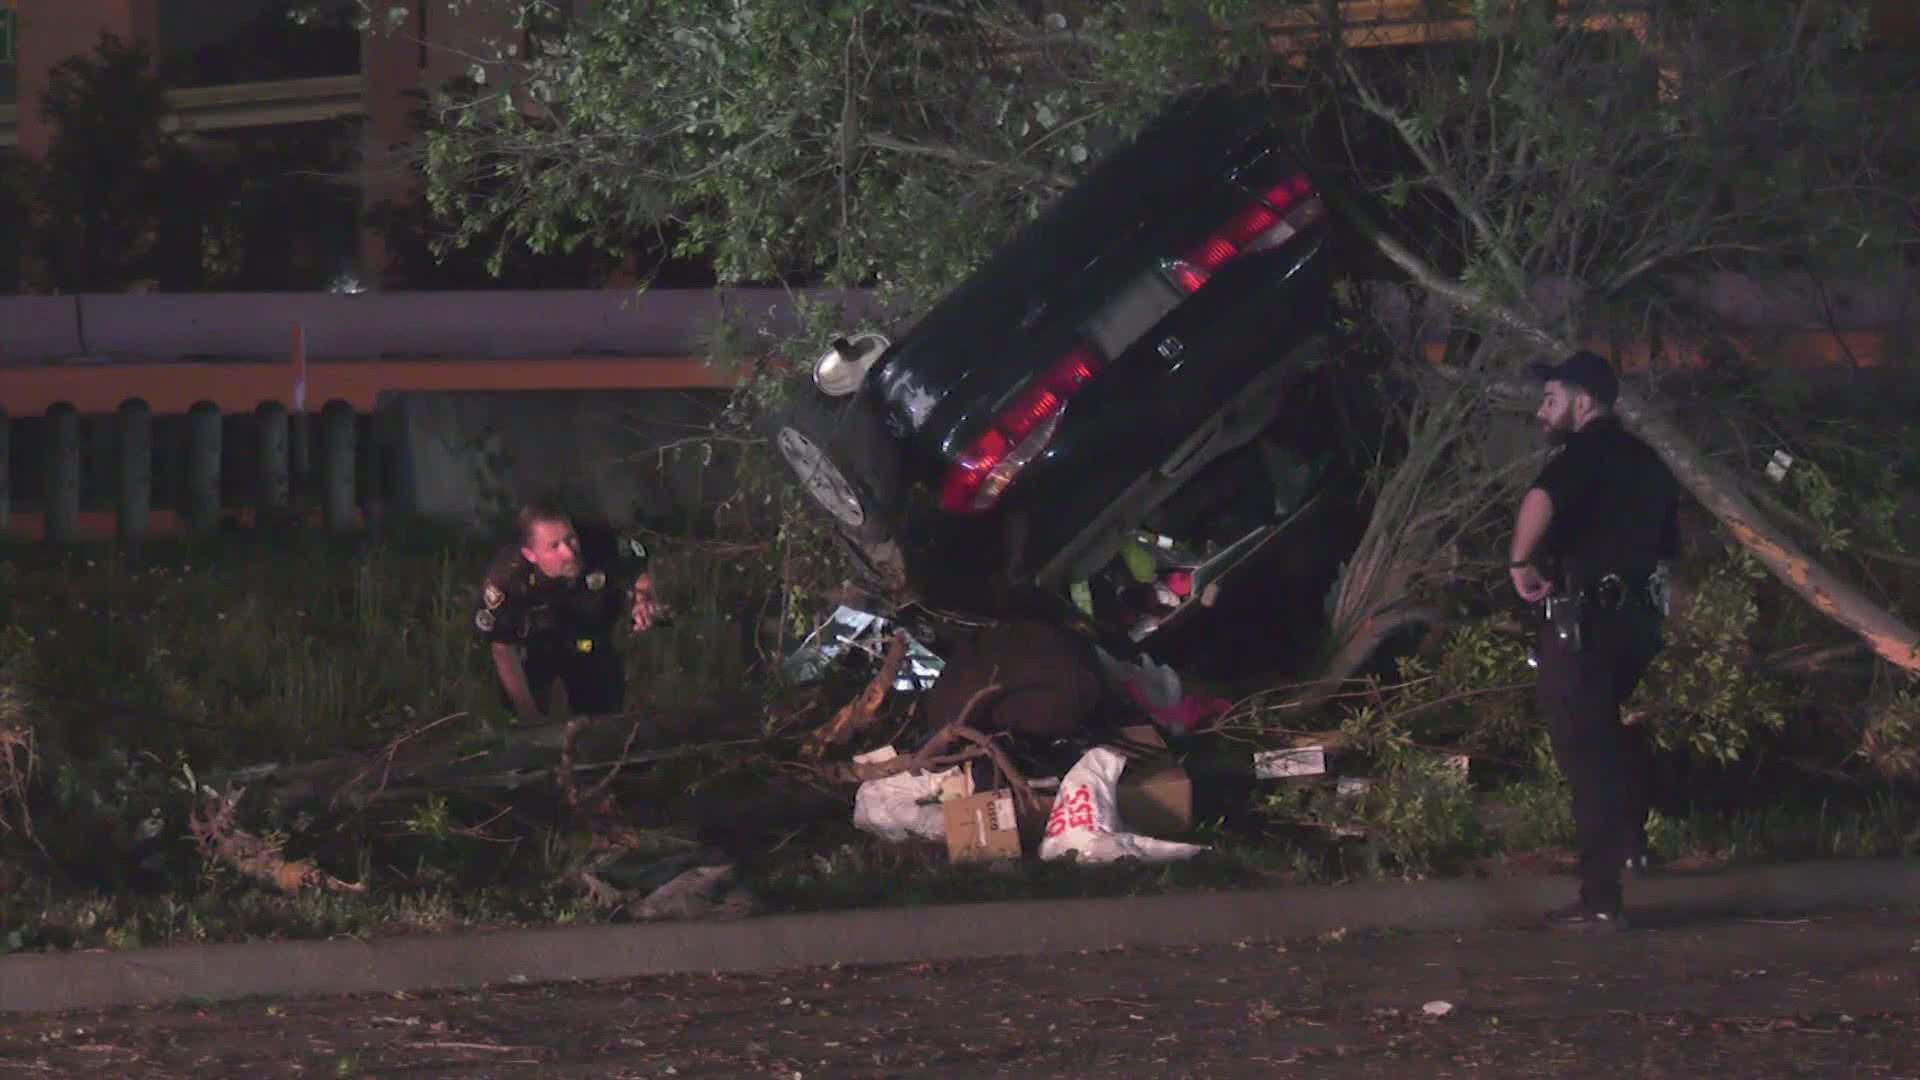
pixel 1889 637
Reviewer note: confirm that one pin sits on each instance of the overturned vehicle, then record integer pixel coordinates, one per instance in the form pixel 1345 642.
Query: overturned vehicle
pixel 1093 412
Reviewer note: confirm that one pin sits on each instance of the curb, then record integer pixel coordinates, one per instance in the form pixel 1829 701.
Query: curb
pixel 203 973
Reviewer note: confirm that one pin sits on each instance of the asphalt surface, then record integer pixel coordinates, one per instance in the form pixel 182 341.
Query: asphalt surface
pixel 1829 995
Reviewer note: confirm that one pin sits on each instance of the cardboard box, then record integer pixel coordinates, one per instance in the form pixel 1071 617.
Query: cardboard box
pixel 982 827
pixel 1155 796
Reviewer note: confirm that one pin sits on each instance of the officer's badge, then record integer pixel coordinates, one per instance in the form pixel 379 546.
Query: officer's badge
pixel 483 620
pixel 585 644
pixel 493 596
pixel 596 580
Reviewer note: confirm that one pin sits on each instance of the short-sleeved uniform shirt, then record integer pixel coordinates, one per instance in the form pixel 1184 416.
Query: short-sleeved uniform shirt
pixel 520 605
pixel 1615 505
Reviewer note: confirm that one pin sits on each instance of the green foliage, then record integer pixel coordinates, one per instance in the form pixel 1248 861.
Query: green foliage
pixel 1891 743
pixel 1704 691
pixel 879 142
pixel 109 172
pixel 1416 819
pixel 1477 688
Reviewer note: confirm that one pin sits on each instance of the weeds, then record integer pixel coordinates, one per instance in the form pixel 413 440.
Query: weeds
pixel 119 677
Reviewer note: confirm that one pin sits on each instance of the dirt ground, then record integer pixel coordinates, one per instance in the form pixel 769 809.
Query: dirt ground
pixel 1836 995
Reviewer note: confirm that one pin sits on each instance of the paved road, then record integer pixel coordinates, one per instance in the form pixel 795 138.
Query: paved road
pixel 1831 996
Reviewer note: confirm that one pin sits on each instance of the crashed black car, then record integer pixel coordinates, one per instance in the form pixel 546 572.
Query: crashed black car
pixel 1092 411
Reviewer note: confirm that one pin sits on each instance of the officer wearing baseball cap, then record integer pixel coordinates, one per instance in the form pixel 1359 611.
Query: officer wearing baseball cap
pixel 548 608
pixel 1587 545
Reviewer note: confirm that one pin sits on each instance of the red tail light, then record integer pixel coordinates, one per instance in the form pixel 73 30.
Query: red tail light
pixel 1261 224
pixel 1019 433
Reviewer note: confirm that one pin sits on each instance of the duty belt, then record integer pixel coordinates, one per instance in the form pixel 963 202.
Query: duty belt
pixel 1565 615
pixel 1611 592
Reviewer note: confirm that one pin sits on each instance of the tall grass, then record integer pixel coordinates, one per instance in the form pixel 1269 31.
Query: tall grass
pixel 248 648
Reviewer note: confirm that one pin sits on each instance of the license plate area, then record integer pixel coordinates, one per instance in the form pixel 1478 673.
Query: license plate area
pixel 1127 317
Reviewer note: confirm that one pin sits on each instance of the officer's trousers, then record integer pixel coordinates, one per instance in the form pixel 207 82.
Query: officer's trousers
pixel 1608 764
pixel 595 680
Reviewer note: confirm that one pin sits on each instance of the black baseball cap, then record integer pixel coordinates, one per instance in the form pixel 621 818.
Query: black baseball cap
pixel 1586 370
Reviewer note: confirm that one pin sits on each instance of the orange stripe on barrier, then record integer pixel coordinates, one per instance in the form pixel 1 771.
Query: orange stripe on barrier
pixel 241 387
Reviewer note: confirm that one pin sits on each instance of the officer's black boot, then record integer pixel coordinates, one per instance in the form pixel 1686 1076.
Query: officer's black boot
pixel 1584 916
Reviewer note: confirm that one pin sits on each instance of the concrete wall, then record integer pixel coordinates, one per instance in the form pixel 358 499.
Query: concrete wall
pixel 368 326
pixel 468 459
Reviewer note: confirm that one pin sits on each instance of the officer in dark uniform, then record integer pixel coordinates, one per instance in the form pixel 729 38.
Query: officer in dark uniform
pixel 548 608
pixel 1591 534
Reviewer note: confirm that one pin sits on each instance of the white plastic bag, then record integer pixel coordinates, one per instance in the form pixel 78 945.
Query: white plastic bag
pixel 1085 822
pixel 902 806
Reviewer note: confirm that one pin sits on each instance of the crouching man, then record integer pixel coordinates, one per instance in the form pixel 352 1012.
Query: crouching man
pixel 549 606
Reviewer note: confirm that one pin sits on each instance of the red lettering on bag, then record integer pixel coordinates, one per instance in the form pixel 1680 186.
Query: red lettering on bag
pixel 1073 811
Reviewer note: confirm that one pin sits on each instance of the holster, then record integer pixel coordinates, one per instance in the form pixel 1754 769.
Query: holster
pixel 1566 618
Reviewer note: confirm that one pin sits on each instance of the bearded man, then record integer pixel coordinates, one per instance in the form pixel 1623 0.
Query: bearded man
pixel 1587 546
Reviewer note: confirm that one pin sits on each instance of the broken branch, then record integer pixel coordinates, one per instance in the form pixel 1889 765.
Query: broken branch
pixel 1889 637
pixel 220 838
pixel 859 714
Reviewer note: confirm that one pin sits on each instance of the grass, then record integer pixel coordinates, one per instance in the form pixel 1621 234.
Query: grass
pixel 195 658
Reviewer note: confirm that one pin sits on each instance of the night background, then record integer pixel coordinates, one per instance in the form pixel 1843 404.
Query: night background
pixel 301 302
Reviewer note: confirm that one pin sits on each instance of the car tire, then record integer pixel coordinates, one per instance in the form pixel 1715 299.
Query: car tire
pixel 851 472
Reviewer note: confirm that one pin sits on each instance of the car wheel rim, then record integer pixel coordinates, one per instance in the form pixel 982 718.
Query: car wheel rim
pixel 823 481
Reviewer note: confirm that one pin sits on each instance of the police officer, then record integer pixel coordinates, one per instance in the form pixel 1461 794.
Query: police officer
pixel 1587 544
pixel 548 608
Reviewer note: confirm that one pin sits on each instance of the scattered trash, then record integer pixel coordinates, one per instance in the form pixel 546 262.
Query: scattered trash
pixel 1156 688
pixel 982 828
pixel 905 806
pixel 1437 1008
pixel 1086 824
pixel 863 630
pixel 1778 465
pixel 1155 795
pixel 1280 764
pixel 1352 786
pixel 704 892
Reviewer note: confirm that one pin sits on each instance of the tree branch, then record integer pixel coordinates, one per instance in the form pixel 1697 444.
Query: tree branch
pixel 1889 637
pixel 880 140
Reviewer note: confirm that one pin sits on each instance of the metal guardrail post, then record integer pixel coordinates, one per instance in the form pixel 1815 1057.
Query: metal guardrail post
pixel 134 500
pixel 6 472
pixel 203 468
pixel 62 497
pixel 276 481
pixel 338 428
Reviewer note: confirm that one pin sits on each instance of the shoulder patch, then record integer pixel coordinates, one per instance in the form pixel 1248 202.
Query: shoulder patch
pixel 596 580
pixel 483 620
pixel 632 548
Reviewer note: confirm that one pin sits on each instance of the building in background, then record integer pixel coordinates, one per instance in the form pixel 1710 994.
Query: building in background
pixel 298 122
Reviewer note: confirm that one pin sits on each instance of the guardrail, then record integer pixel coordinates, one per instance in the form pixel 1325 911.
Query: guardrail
pixel 93 373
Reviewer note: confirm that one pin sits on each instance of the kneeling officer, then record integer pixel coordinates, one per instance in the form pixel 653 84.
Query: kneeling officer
pixel 549 606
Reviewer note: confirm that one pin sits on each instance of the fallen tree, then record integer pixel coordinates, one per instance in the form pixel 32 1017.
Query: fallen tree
pixel 1544 142
pixel 1606 161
